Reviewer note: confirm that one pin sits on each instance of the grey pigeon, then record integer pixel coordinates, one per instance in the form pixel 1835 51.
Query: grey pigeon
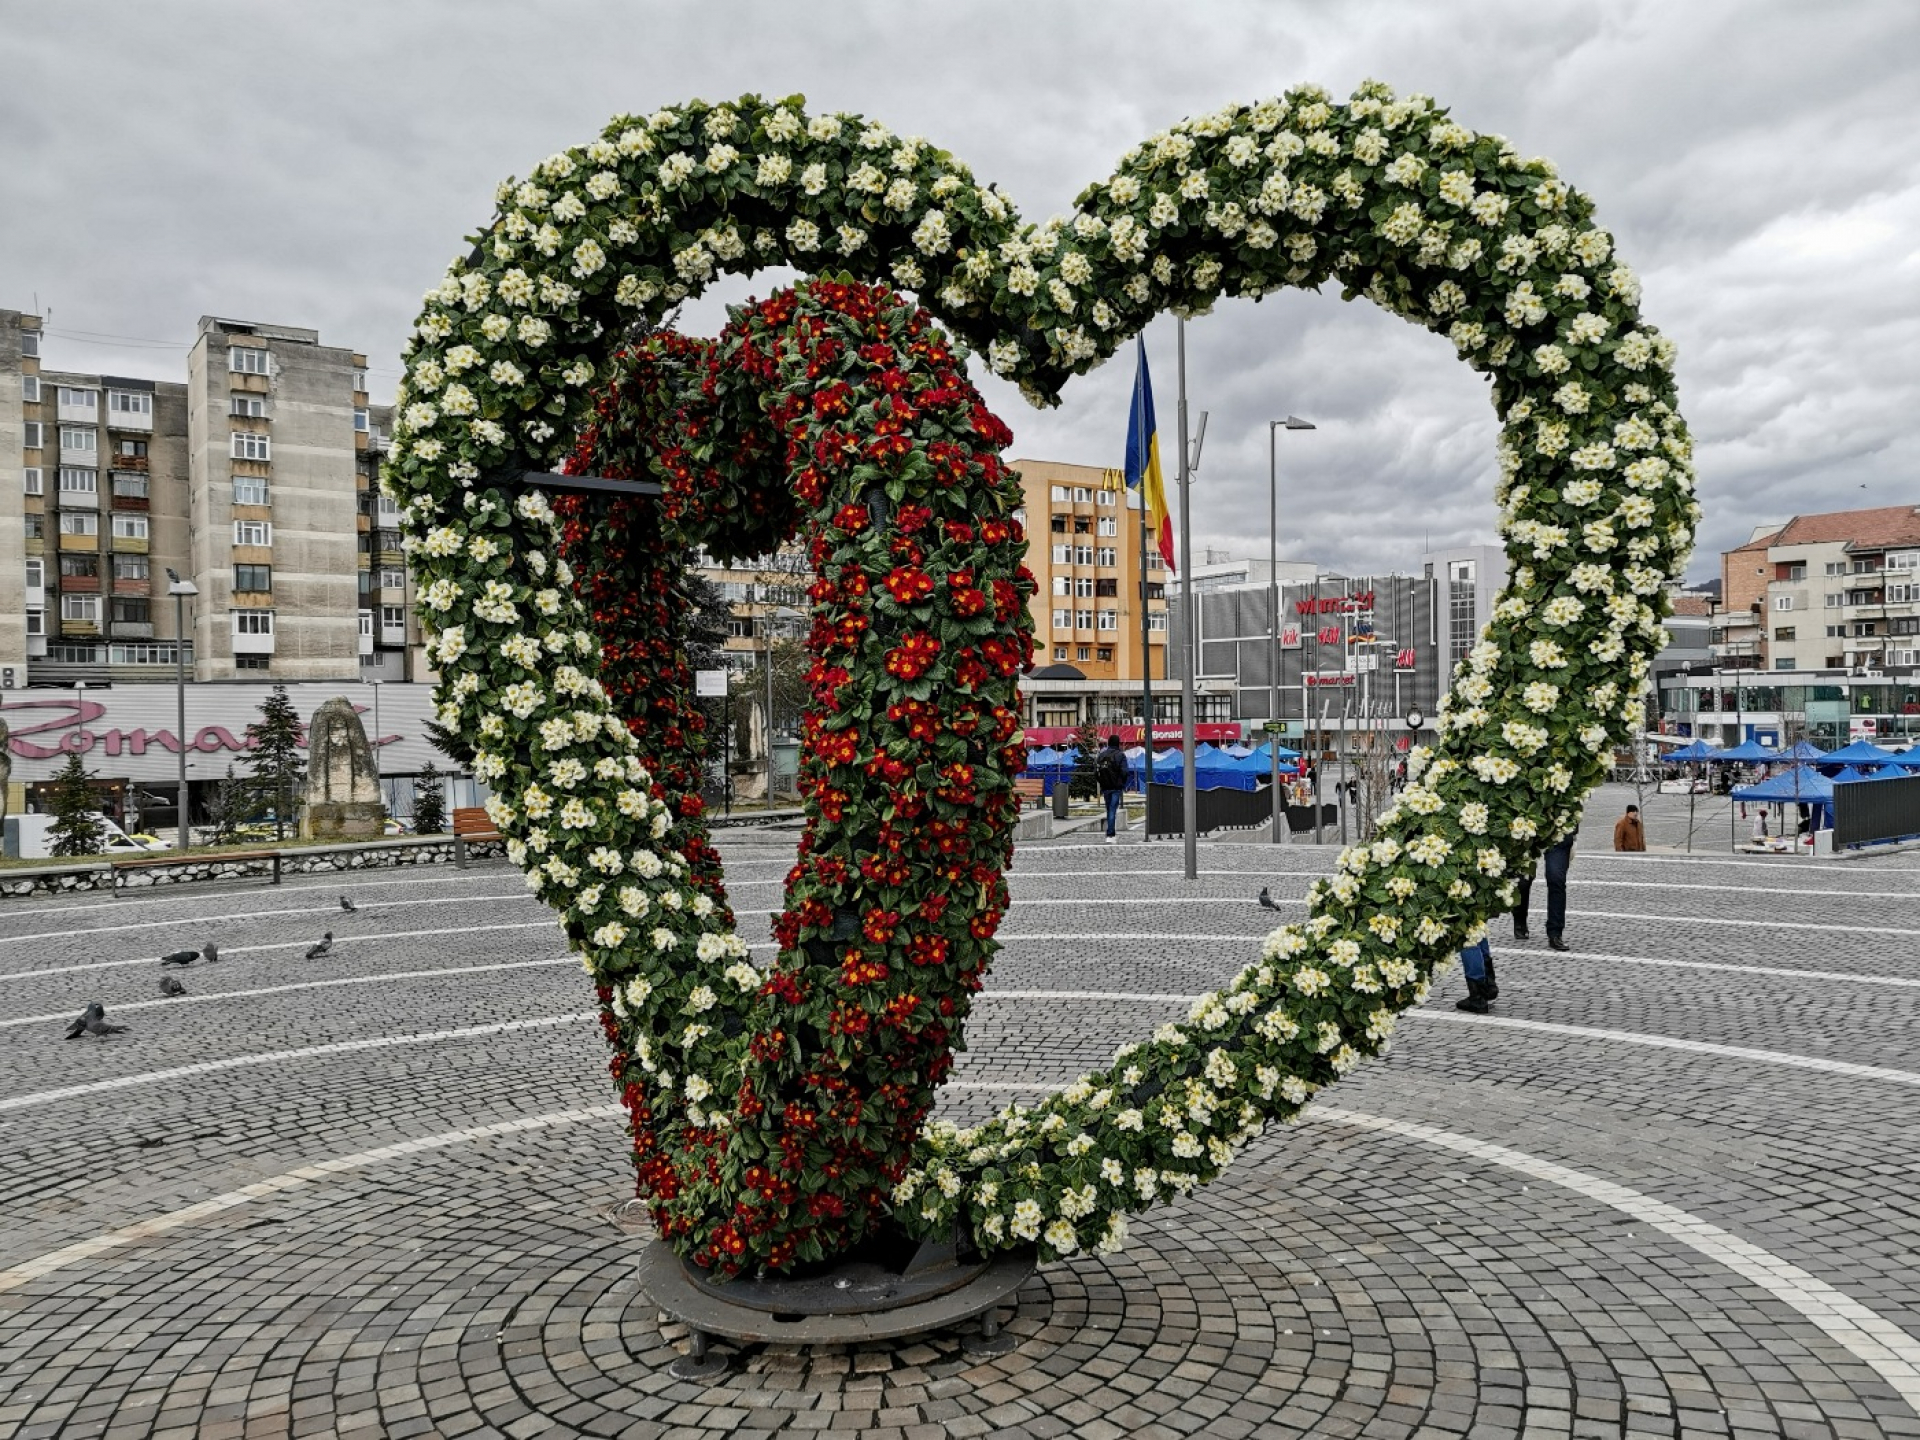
pixel 1266 900
pixel 93 1022
pixel 180 957
pixel 210 952
pixel 314 952
pixel 348 905
pixel 171 986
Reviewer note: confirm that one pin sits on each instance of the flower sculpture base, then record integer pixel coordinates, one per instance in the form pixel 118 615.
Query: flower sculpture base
pixel 859 1299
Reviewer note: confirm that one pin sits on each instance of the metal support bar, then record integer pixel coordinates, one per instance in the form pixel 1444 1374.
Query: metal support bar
pixel 548 480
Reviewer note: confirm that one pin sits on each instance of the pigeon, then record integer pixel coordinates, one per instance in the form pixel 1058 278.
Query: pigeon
pixel 348 905
pixel 171 986
pixel 92 1021
pixel 314 952
pixel 1266 900
pixel 210 952
pixel 180 957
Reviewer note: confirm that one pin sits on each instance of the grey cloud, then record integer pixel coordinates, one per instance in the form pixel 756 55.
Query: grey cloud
pixel 1757 162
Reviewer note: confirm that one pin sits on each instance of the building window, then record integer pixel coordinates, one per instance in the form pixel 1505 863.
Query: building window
pixel 1106 555
pixel 1083 619
pixel 1835 601
pixel 1106 589
pixel 82 566
pixel 392 578
pixel 360 420
pixel 36 526
pixel 79 522
pixel 248 407
pixel 31 481
pixel 1783 602
pixel 133 487
pixel 1156 620
pixel 129 402
pixel 130 449
pixel 1835 631
pixel 1085 652
pixel 1063 585
pixel 1109 525
pixel 1058 492
pixel 1795 571
pixel 36 435
pixel 1083 588
pixel 1081 495
pixel 1063 554
pixel 1783 632
pixel 1863 627
pixel 1903 594
pixel 247 360
pixel 1060 652
pixel 30 344
pixel 1105 652
pixel 256 579
pixel 130 567
pixel 253 661
pixel 253 622
pixel 393 617
pixel 253 532
pixel 1083 554
pixel 1784 662
pixel 129 527
pixel 251 490
pixel 75 481
pixel 1109 619
pixel 1062 619
pixel 1462 614
pixel 30 389
pixel 246 446
pixel 36 573
pixel 132 612
pixel 36 622
pixel 1836 567
pixel 80 609
pixel 1107 497
pixel 366 625
pixel 78 399
pixel 77 439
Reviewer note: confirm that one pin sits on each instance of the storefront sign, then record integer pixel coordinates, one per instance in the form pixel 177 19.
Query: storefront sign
pixel 1404 659
pixel 1329 635
pixel 130 732
pixel 1289 637
pixel 1335 604
pixel 1323 680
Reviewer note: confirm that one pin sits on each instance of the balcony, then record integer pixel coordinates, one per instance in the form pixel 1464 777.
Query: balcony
pixel 80 414
pixel 134 464
pixel 125 586
pixel 133 629
pixel 130 502
pixel 80 499
pixel 80 584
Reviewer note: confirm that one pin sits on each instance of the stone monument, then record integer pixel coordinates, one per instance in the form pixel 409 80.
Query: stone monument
pixel 343 788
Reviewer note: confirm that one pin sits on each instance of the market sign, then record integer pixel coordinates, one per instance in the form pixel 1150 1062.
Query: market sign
pixel 130 732
pixel 1325 679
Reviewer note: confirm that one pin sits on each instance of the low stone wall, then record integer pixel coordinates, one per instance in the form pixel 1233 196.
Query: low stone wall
pixel 318 859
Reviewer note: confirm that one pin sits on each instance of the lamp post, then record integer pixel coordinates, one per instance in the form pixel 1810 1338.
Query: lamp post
pixel 1189 620
pixel 180 590
pixel 374 744
pixel 1292 422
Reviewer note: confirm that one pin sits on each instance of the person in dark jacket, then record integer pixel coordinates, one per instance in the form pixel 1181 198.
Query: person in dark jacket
pixel 1110 773
pixel 1628 832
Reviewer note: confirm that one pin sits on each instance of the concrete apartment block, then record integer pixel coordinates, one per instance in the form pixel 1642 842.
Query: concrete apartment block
pixel 19 374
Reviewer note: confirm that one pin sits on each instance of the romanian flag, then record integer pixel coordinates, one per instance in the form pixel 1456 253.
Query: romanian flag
pixel 1143 460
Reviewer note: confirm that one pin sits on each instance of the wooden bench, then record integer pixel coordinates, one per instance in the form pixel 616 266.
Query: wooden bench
pixel 471 823
pixel 149 862
pixel 1030 787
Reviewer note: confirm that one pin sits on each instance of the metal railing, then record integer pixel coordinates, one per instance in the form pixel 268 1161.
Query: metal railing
pixel 1221 809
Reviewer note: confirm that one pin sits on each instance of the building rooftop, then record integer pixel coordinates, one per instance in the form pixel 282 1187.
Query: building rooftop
pixel 1863 529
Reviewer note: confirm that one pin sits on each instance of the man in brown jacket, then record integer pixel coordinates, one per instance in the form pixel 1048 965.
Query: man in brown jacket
pixel 1627 832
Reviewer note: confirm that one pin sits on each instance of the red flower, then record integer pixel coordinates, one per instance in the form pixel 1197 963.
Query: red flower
pixel 913 657
pixel 909 584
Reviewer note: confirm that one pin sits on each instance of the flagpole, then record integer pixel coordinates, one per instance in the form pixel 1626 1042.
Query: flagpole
pixel 1189 791
pixel 1146 643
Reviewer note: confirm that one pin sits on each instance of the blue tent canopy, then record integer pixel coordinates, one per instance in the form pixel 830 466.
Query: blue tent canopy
pixel 1698 750
pixel 1860 752
pixel 1265 751
pixel 1748 752
pixel 1909 759
pixel 1802 750
pixel 1853 773
pixel 1802 783
pixel 1045 755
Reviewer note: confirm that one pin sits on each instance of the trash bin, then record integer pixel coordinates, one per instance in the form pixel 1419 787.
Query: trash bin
pixel 1060 800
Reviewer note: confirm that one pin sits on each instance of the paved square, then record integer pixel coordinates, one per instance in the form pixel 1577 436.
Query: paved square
pixel 1669 1188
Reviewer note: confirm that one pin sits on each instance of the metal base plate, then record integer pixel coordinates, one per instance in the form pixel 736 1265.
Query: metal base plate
pixel 706 1308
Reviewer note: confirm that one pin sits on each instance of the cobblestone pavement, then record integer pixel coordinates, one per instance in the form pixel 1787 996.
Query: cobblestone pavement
pixel 1673 1191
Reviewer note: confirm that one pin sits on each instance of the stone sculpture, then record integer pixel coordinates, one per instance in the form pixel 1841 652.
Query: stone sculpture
pixel 343 788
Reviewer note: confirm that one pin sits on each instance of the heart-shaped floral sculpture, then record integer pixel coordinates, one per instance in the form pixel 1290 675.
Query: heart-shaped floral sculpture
pixel 779 1113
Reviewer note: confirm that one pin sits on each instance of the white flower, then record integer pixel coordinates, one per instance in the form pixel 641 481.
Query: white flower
pixel 803 235
pixel 1456 188
pixel 1551 359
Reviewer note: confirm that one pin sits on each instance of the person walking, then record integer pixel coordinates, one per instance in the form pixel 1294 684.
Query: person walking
pixel 1559 859
pixel 1477 961
pixel 1628 832
pixel 1110 772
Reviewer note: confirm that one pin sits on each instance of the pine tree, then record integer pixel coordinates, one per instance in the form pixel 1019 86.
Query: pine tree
pixel 230 806
pixel 274 756
pixel 76 826
pixel 429 801
pixel 1085 785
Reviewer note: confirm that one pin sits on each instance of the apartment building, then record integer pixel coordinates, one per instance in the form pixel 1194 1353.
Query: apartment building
pixel 1839 591
pixel 254 478
pixel 1083 534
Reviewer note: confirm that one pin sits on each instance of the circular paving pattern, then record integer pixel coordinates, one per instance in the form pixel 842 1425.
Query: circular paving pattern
pixel 1664 1199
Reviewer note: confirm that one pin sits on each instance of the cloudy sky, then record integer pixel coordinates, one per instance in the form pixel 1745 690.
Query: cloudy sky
pixel 1759 163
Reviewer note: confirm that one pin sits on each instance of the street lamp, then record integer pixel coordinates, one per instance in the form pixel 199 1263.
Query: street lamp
pixel 374 745
pixel 180 590
pixel 1292 422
